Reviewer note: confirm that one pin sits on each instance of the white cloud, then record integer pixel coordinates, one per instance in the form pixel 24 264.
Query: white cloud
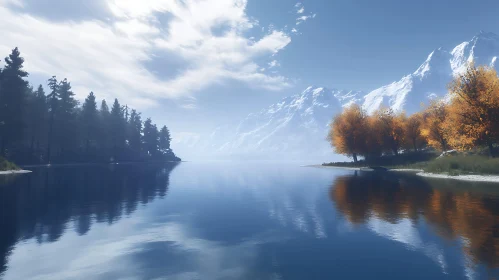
pixel 274 63
pixel 17 3
pixel 300 10
pixel 208 36
pixel 302 19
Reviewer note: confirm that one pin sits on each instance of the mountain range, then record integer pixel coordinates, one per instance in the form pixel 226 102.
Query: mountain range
pixel 297 126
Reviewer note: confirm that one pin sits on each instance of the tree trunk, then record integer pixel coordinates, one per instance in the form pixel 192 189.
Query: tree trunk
pixel 414 144
pixel 31 148
pixel 354 157
pixel 2 147
pixel 49 144
pixel 491 150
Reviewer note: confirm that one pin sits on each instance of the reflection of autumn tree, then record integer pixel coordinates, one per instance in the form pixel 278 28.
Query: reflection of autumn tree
pixel 451 214
pixel 42 204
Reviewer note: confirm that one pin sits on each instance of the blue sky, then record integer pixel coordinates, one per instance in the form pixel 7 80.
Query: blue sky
pixel 196 64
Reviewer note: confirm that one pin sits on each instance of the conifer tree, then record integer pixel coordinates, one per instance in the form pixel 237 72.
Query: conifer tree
pixel 164 140
pixel 90 123
pixel 12 100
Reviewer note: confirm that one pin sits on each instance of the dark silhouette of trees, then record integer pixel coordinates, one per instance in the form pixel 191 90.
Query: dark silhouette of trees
pixel 36 127
pixel 90 120
pixel 13 89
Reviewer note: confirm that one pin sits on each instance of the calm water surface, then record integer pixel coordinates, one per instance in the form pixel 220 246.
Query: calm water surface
pixel 244 221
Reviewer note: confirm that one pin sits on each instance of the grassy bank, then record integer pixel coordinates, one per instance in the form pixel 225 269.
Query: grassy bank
pixel 451 165
pixel 461 165
pixel 6 165
pixel 406 160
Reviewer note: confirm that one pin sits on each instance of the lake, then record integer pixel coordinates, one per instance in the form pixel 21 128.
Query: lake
pixel 244 220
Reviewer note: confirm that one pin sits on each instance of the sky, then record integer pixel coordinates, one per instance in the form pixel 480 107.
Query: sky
pixel 194 65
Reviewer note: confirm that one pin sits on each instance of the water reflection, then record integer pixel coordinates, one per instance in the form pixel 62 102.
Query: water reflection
pixel 43 204
pixel 392 206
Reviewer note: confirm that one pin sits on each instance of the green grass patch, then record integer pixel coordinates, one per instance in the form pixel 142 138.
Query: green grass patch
pixel 7 165
pixel 405 160
pixel 463 164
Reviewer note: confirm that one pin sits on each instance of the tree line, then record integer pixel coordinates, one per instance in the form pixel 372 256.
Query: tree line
pixel 468 120
pixel 39 127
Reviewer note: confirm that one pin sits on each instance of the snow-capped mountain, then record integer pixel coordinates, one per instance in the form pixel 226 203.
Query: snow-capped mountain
pixel 431 78
pixel 297 126
pixel 290 128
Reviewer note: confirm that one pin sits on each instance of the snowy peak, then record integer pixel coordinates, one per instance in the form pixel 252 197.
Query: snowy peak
pixel 429 81
pixel 437 61
pixel 290 128
pixel 483 49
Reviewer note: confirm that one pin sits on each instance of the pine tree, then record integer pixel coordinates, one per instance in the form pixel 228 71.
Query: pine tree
pixel 134 133
pixel 53 103
pixel 164 141
pixel 36 122
pixel 150 138
pixel 66 125
pixel 104 133
pixel 90 123
pixel 12 98
pixel 118 129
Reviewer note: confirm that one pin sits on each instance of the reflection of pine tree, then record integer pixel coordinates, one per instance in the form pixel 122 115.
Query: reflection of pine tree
pixel 42 205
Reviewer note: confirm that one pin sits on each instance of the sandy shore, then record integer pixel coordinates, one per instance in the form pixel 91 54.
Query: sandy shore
pixel 10 172
pixel 473 178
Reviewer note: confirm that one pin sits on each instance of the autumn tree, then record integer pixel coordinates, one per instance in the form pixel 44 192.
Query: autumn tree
pixel 434 127
pixel 412 130
pixel 390 128
pixel 347 132
pixel 474 108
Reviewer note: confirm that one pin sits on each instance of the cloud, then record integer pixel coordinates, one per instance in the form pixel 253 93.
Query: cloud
pixel 206 38
pixel 274 63
pixel 302 19
pixel 17 3
pixel 300 10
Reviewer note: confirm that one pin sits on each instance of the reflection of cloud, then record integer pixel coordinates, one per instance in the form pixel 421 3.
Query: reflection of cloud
pixel 110 250
pixel 404 232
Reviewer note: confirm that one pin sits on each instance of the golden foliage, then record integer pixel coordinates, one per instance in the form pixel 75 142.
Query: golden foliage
pixel 470 120
pixel 474 109
pixel 348 131
pixel 412 130
pixel 390 128
pixel 434 128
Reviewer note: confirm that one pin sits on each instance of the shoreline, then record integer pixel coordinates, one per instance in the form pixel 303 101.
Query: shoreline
pixel 420 172
pixel 470 177
pixel 11 172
